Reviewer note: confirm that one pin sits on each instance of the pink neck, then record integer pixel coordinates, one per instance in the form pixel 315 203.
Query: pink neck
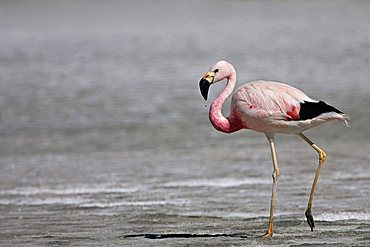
pixel 221 123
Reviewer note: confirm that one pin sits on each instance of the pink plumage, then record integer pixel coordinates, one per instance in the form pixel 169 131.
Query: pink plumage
pixel 268 107
pixel 262 106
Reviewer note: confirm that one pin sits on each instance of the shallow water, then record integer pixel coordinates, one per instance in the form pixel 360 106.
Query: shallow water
pixel 105 137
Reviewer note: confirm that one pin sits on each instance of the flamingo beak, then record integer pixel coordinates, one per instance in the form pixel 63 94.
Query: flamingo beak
pixel 205 82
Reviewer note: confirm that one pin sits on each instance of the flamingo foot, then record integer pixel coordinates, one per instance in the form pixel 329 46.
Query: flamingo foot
pixel 267 235
pixel 309 217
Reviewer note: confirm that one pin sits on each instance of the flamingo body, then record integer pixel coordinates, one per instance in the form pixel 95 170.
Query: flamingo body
pixel 273 107
pixel 268 107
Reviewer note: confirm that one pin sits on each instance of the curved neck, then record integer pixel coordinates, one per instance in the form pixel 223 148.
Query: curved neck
pixel 218 121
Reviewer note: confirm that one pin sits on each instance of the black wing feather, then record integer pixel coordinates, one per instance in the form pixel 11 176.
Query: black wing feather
pixel 313 109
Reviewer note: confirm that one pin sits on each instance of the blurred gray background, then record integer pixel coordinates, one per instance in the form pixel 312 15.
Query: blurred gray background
pixel 103 130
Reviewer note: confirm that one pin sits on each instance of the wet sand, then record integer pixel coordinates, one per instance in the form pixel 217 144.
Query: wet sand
pixel 174 230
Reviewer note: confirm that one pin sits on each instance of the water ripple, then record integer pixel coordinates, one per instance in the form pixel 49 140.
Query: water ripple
pixel 218 182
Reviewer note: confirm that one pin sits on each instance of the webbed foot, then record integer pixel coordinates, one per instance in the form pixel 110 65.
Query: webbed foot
pixel 267 235
pixel 309 217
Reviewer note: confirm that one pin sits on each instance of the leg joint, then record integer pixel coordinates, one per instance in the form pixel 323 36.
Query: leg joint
pixel 322 155
pixel 275 174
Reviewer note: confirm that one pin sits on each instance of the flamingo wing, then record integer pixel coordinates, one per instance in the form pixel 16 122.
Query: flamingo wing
pixel 273 100
pixel 267 106
pixel 311 110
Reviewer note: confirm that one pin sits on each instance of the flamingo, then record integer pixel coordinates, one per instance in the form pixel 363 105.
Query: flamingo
pixel 268 107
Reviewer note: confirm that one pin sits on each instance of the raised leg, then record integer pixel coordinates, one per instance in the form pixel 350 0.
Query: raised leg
pixel 275 176
pixel 322 157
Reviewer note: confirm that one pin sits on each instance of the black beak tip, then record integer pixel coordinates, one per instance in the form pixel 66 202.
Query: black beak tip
pixel 205 96
pixel 204 87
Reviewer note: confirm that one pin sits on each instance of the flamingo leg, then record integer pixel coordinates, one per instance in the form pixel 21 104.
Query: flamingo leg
pixel 322 157
pixel 275 176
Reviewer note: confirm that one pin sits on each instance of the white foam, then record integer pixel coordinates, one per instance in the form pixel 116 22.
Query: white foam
pixel 343 216
pixel 244 215
pixel 220 182
pixel 42 201
pixel 132 203
pixel 28 191
pixel 84 202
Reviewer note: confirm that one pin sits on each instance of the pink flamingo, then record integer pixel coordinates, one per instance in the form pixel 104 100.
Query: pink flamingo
pixel 268 107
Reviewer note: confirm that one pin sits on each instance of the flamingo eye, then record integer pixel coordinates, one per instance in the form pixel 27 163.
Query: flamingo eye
pixel 216 70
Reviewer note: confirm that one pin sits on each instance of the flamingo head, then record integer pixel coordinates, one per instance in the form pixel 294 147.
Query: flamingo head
pixel 217 72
